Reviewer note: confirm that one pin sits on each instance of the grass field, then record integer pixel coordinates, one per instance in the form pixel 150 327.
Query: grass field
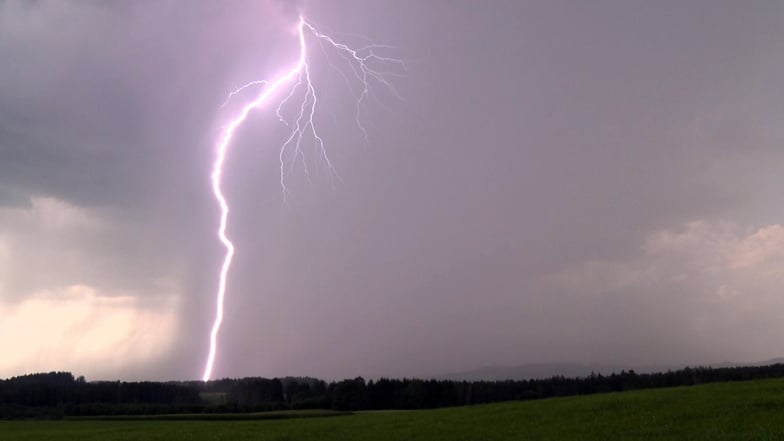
pixel 751 410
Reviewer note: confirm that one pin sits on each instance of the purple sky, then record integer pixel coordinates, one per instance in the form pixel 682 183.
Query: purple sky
pixel 595 182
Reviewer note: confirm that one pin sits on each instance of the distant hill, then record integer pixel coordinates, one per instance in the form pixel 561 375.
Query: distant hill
pixel 566 369
pixel 724 364
pixel 547 370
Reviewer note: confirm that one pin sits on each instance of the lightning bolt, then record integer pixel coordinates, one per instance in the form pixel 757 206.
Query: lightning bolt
pixel 298 79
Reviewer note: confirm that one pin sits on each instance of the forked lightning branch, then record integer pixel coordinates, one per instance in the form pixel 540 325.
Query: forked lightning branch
pixel 362 66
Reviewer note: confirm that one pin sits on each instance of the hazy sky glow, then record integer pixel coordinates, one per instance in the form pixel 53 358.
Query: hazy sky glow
pixel 565 181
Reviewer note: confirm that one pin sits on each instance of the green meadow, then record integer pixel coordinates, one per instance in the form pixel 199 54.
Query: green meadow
pixel 752 410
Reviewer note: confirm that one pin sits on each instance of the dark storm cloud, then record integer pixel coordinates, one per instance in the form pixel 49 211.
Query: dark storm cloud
pixel 95 105
pixel 524 203
pixel 12 198
pixel 71 117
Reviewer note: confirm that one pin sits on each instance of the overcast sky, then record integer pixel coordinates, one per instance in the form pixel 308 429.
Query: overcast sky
pixel 595 182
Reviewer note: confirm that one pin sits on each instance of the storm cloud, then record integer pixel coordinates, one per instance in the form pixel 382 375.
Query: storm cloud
pixel 562 181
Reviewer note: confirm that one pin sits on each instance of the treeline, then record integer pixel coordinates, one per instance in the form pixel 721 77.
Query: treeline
pixel 59 394
pixel 424 394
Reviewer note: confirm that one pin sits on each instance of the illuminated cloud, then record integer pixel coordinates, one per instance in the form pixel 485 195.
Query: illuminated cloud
pixel 78 329
pixel 54 314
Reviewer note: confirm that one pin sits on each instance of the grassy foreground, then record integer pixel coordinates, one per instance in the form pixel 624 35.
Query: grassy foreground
pixel 752 410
